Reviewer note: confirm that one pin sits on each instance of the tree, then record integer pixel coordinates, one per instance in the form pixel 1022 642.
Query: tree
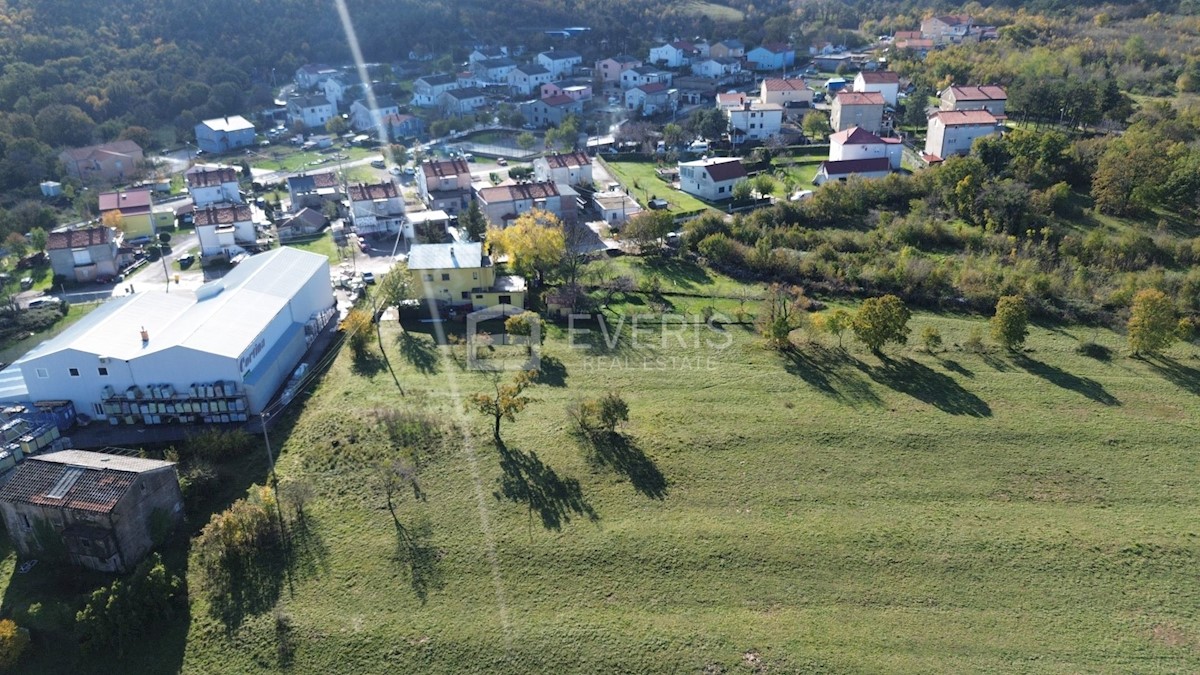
pixel 647 229
pixel 565 136
pixel 59 125
pixel 526 140
pixel 742 191
pixel 881 320
pixel 508 400
pixel 931 337
pixel 394 476
pixel 38 237
pixel 593 416
pixel 337 125
pixel 1010 324
pixel 139 135
pixel 837 323
pixel 915 109
pixel 359 331
pixel 13 641
pixel 473 222
pixel 815 125
pixel 535 243
pixel 394 288
pixel 525 325
pixel 708 123
pixel 113 219
pixel 672 135
pixel 764 185
pixel 16 244
pixel 1152 322
pixel 399 154
pixel 781 314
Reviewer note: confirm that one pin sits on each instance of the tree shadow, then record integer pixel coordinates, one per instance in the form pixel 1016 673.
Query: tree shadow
pixel 255 583
pixel 551 372
pixel 829 372
pixel 1057 376
pixel 678 271
pixel 955 367
pixel 926 385
pixel 995 362
pixel 1184 377
pixel 530 481
pixel 367 365
pixel 415 550
pixel 622 454
pixel 309 555
pixel 420 353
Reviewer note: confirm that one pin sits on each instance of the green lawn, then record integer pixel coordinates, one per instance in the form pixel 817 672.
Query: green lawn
pixel 712 11
pixel 823 511
pixel 644 184
pixel 289 158
pixel 323 244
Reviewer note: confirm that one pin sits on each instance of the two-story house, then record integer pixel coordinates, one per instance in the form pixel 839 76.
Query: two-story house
pixel 375 208
pixel 793 93
pixel 883 82
pixel 858 109
pixel 771 56
pixel 951 132
pixel 428 89
pixel 651 99
pixel 445 185
pixel 493 71
pixel 712 178
pixel 225 230
pixel 755 120
pixel 366 116
pixel 85 255
pixel 551 111
pixel 213 185
pixel 460 274
pixel 114 162
pixel 529 78
pixel 716 67
pixel 309 111
pixel 560 62
pixel 312 75
pixel 463 101
pixel 734 49
pixel 578 90
pixel 484 53
pixel 636 77
pixel 339 89
pixel 503 204
pixel 574 168
pixel 671 55
pixel 135 207
pixel 313 190
pixel 947 28
pixel 223 134
pixel 401 126
pixel 991 98
pixel 855 143
pixel 609 70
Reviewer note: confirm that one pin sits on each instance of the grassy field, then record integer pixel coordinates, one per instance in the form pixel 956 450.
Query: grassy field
pixel 290 158
pixel 644 184
pixel 323 244
pixel 12 352
pixel 711 10
pixel 823 511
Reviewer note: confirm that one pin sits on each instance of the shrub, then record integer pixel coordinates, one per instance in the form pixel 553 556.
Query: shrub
pixel 13 641
pixel 931 338
pixel 604 414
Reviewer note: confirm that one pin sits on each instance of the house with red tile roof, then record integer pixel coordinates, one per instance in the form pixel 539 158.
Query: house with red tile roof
pixel 711 179
pixel 951 132
pixel 991 98
pixel 857 109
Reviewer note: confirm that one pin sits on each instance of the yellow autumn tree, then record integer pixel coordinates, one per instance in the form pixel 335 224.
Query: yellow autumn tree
pixel 535 244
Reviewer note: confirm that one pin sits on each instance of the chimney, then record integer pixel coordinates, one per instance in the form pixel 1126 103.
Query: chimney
pixel 145 336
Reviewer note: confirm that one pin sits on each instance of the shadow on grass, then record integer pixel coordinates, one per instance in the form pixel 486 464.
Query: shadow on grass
pixel 926 385
pixel 1184 377
pixel 622 454
pixel 1059 377
pixel 955 367
pixel 309 555
pixel 254 584
pixel 420 353
pixel 415 550
pixel 530 481
pixel 831 372
pixel 367 365
pixel 680 272
pixel 551 372
pixel 994 361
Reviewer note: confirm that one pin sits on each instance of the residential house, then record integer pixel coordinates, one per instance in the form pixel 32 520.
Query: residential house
pixel 459 274
pixel 989 97
pixel 560 62
pixel 574 168
pixel 755 120
pixel 948 28
pixel 919 46
pixel 882 82
pixel 732 49
pixel 876 167
pixel 209 184
pixel 529 78
pixel 831 62
pixel 651 99
pixel 787 93
pixel 732 100
pixel 504 203
pixel 114 162
pixel 951 132
pixel 85 255
pixel 445 185
pixel 137 212
pixel 856 143
pixel 375 208
pixel 772 56
pixel 309 111
pixel 305 222
pixel 580 91
pixel 609 70
pixel 313 190
pixel 339 89
pixel 313 75
pixel 365 116
pixel 701 49
pixel 463 101
pixel 906 35
pixel 428 89
pixel 716 67
pixel 671 55
pixel 403 126
pixel 547 112
pixel 636 77
pixel 616 207
pixel 104 511
pixel 493 71
pixel 858 109
pixel 223 134
pixel 485 53
pixel 712 178
pixel 225 230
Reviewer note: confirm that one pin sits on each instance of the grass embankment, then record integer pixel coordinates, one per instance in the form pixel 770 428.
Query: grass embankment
pixel 12 351
pixel 821 511
pixel 644 184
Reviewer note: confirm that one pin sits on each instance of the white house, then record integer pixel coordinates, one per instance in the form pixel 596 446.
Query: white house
pixel 757 121
pixel 485 53
pixel 712 178
pixel 609 70
pixel 560 62
pixel 428 89
pixel 573 168
pixel 375 208
pixel 856 143
pixel 951 132
pixel 502 204
pixel 213 185
pixel 673 55
pixel 876 167
pixel 988 97
pixel 336 90
pixel 883 82
pixel 616 207
pixel 650 99
pixel 787 93
pixel 309 111
pixel 771 57
pixel 313 74
pixel 367 117
pixel 716 67
pixel 462 101
pixel 857 109
pixel 445 185
pixel 639 75
pixel 493 71
pixel 947 28
pixel 529 78
pixel 225 230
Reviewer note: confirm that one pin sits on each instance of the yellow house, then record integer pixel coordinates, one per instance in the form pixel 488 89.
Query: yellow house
pixel 461 275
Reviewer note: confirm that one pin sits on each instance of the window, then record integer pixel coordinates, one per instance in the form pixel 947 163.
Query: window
pixel 466 295
pixel 445 276
pixel 42 373
pixel 720 190
pixel 428 277
pixel 475 275
pixel 98 410
pixel 102 371
pixel 25 522
pixel 73 371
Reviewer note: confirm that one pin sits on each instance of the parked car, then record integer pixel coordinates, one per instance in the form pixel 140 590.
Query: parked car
pixel 43 302
pixel 378 163
pixel 26 283
pixel 369 277
pixel 502 162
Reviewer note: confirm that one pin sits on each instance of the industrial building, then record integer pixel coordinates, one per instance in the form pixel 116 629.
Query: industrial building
pixel 217 355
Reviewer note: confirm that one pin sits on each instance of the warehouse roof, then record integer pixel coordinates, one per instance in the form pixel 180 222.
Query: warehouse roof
pixel 222 317
pixel 76 479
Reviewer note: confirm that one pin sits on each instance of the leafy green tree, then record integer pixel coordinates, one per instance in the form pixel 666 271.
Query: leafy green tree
pixel 837 323
pixel 931 337
pixel 526 140
pixel 395 287
pixel 337 125
pixel 524 325
pixel 708 123
pixel 359 331
pixel 764 185
pixel 743 191
pixel 565 136
pixel 647 229
pixel 1152 322
pixel 16 244
pixel 399 154
pixel 815 125
pixel 535 243
pixel 505 403
pixel 673 135
pixel 1010 324
pixel 599 415
pixel 880 321
pixel 473 222
pixel 782 312
pixel 37 238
